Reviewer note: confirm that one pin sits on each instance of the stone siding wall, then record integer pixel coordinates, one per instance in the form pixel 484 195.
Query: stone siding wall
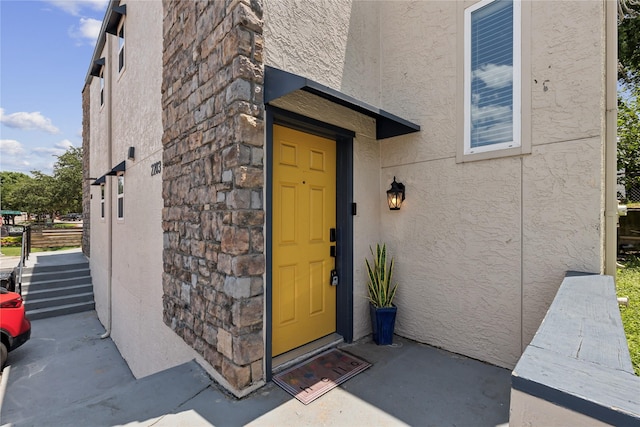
pixel 213 217
pixel 86 162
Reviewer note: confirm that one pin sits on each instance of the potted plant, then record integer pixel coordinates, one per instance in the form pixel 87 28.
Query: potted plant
pixel 381 292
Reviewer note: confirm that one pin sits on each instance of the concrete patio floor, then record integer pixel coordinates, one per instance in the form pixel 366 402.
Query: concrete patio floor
pixel 67 375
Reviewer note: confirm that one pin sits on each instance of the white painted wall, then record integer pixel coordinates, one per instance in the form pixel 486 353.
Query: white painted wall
pixel 145 342
pixel 481 247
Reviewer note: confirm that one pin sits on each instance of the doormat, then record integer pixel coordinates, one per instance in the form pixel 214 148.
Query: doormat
pixel 315 377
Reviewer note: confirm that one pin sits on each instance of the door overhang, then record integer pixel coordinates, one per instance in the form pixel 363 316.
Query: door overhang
pixel 278 83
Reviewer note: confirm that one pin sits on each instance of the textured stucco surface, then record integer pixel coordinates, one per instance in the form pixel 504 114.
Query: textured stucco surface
pixel 137 327
pixel 333 42
pixel 527 410
pixel 98 166
pixel 481 247
pixel 561 221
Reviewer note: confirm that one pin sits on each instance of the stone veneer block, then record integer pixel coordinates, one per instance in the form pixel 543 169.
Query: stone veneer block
pixel 213 178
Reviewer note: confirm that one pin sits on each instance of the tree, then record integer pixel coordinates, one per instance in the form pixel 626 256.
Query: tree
pixel 36 194
pixel 629 140
pixel 629 42
pixel 67 173
pixel 8 183
pixel 44 194
pixel 628 101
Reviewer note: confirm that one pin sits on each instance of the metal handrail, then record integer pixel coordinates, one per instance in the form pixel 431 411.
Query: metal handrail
pixel 25 249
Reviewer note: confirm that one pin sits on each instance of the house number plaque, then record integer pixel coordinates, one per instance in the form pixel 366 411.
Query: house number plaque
pixel 156 168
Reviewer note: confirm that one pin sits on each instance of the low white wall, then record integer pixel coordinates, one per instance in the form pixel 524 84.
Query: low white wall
pixel 527 410
pixel 577 369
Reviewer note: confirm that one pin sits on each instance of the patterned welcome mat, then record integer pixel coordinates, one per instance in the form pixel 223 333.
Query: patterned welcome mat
pixel 313 378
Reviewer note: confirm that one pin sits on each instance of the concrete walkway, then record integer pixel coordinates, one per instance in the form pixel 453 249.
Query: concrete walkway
pixel 68 256
pixel 47 258
pixel 67 376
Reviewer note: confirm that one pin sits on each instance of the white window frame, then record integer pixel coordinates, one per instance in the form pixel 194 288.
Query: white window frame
pixel 517 82
pixel 121 46
pixel 120 196
pixel 102 205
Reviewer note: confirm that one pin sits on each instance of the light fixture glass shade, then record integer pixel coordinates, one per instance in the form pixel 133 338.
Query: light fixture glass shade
pixel 395 195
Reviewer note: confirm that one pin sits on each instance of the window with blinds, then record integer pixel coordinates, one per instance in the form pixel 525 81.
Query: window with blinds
pixel 492 76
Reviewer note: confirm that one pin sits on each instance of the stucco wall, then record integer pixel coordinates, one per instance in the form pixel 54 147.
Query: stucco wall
pixel 563 186
pixel 142 338
pixel 527 410
pixel 333 42
pixel 496 235
pixel 99 164
pixel 482 246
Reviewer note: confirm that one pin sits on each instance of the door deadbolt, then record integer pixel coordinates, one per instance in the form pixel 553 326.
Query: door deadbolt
pixel 334 278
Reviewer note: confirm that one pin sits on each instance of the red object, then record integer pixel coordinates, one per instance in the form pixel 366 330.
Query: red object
pixel 15 328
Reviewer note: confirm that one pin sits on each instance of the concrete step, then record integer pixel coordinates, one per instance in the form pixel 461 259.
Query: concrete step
pixel 34 291
pixel 57 289
pixel 38 268
pixel 54 275
pixel 57 301
pixel 43 313
pixel 55 283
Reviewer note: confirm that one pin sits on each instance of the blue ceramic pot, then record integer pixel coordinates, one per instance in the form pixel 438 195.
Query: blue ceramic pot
pixel 383 321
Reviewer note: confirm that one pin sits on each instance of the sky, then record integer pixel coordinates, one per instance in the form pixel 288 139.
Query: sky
pixel 45 52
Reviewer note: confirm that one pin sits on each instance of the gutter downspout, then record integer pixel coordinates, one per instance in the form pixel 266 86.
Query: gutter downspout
pixel 108 195
pixel 611 124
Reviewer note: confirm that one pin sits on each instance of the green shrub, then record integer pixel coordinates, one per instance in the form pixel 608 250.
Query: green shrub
pixel 628 285
pixel 11 241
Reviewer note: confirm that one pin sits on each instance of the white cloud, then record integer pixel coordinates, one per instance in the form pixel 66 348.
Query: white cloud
pixel 64 145
pixel 14 157
pixel 58 148
pixel 492 124
pixel 28 121
pixel 87 30
pixel 74 7
pixel 10 147
pixel 495 76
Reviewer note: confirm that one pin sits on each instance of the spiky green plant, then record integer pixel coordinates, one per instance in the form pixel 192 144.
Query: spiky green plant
pixel 381 290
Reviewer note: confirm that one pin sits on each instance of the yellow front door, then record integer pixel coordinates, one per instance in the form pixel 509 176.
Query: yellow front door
pixel 304 210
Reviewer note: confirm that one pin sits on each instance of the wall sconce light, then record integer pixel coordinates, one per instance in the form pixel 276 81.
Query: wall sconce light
pixel 132 153
pixel 395 195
